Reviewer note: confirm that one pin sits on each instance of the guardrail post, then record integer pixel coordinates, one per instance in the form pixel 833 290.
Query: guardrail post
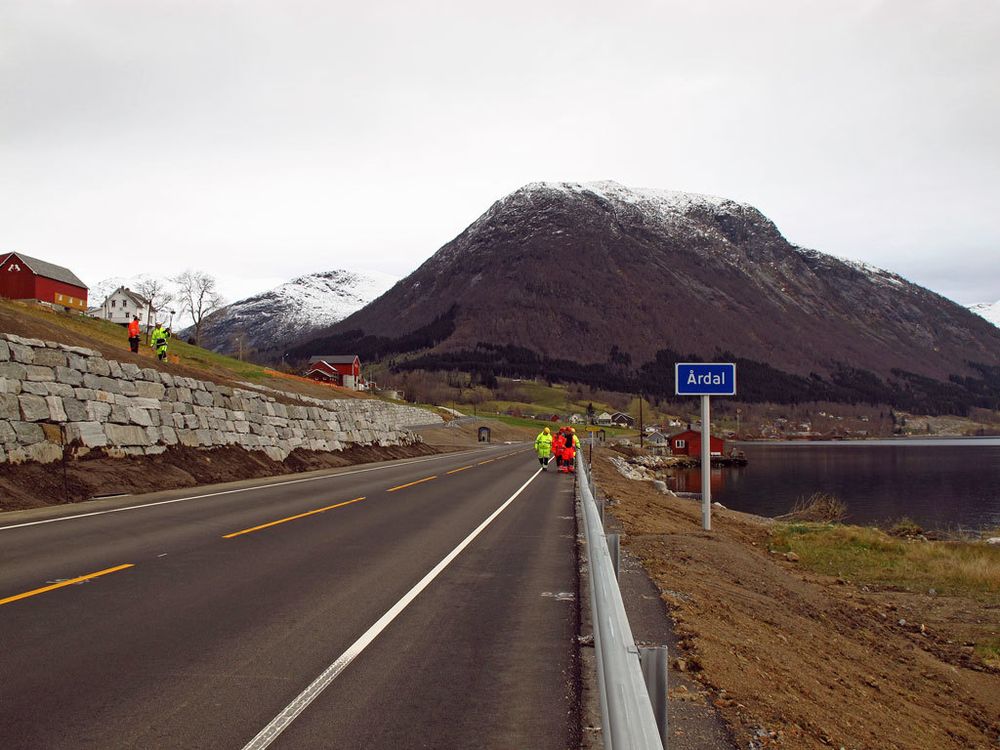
pixel 653 660
pixel 614 547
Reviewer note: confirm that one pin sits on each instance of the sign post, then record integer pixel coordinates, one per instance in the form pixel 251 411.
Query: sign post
pixel 705 380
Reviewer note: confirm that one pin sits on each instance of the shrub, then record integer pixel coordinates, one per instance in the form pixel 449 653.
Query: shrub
pixel 819 507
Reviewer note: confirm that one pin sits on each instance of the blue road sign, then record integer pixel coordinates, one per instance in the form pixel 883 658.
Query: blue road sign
pixel 705 379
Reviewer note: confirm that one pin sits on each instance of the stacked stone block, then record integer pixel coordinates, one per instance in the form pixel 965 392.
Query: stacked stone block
pixel 55 397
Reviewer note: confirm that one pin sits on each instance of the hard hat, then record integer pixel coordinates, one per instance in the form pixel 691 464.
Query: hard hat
pixel 572 429
pixel 547 431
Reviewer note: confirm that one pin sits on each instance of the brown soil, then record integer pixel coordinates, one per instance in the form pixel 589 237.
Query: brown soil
pixel 35 485
pixel 796 660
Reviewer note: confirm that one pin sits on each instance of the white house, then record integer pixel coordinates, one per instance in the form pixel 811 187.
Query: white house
pixel 576 419
pixel 121 305
pixel 604 418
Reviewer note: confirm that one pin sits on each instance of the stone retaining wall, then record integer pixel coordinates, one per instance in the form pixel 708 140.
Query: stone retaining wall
pixel 53 395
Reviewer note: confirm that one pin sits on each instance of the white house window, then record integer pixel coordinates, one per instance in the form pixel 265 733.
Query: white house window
pixel 112 303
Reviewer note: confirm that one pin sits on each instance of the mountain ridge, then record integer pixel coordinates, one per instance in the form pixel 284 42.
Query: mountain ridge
pixel 263 323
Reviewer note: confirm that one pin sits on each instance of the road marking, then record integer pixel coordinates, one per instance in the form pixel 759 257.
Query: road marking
pixel 410 484
pixel 232 492
pixel 291 518
pixel 270 733
pixel 486 462
pixel 70 582
pixel 455 471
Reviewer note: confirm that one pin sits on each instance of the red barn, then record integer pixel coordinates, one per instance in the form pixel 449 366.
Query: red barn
pixel 688 443
pixel 340 369
pixel 22 277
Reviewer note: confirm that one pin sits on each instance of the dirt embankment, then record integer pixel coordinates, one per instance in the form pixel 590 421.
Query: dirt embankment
pixel 35 485
pixel 798 660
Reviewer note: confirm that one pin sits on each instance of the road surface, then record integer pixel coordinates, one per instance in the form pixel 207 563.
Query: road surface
pixel 423 603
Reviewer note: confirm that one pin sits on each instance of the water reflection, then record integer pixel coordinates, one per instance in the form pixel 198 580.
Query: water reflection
pixel 937 483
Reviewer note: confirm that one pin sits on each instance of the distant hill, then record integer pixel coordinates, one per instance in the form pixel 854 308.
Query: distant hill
pixel 267 321
pixel 610 285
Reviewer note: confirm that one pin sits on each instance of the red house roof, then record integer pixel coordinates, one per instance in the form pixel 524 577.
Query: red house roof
pixel 46 269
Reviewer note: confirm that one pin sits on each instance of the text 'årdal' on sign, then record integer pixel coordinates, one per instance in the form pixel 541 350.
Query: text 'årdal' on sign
pixel 705 379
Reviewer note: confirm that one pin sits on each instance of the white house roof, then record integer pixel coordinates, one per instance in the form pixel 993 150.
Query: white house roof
pixel 135 297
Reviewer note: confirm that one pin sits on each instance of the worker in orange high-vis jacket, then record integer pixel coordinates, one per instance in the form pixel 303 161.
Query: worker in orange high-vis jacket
pixel 558 446
pixel 133 334
pixel 569 452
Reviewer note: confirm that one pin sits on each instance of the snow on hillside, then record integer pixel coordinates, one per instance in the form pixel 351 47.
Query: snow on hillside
pixel 318 299
pixel 989 311
pixel 273 318
pixel 99 292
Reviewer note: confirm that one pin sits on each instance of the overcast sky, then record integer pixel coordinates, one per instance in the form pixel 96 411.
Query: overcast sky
pixel 262 140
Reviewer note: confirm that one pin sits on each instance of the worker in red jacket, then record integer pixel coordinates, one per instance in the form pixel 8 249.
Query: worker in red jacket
pixel 133 334
pixel 572 443
pixel 558 446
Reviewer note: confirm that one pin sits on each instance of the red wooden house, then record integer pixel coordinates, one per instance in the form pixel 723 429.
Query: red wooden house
pixel 688 443
pixel 23 277
pixel 338 369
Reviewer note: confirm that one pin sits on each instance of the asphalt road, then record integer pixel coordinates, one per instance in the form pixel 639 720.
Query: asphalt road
pixel 424 603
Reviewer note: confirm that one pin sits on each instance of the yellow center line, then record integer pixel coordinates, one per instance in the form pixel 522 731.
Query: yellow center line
pixel 292 518
pixel 404 486
pixel 486 462
pixel 70 582
pixel 455 471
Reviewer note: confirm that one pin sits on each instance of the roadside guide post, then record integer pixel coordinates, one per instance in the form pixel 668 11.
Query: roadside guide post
pixel 590 459
pixel 705 380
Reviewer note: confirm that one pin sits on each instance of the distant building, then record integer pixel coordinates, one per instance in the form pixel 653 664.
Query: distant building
pixel 576 419
pixel 657 439
pixel 23 277
pixel 622 419
pixel 604 418
pixel 339 369
pixel 121 305
pixel 688 443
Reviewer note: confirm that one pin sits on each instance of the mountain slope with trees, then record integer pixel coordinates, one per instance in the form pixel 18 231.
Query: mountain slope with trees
pixel 609 285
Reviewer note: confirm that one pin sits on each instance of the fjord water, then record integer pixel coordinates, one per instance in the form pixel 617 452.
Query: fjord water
pixel 940 484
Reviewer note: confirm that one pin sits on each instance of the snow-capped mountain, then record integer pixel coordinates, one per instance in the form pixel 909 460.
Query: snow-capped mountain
pixel 264 323
pixel 608 285
pixel 989 311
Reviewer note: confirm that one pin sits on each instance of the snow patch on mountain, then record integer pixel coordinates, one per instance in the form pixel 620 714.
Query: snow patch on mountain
pixel 100 291
pixel 270 320
pixel 666 202
pixel 990 311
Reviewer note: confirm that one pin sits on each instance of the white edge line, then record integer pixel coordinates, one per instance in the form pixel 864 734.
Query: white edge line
pixel 231 492
pixel 270 733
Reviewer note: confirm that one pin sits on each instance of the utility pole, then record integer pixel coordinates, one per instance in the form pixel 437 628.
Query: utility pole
pixel 642 431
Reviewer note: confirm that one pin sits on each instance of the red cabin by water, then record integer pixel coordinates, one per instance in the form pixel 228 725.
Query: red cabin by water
pixel 23 277
pixel 688 443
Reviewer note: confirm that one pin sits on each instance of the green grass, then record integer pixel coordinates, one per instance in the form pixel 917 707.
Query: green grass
pixel 989 651
pixel 870 556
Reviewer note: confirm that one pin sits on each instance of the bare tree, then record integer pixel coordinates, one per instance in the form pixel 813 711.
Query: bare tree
pixel 198 296
pixel 158 296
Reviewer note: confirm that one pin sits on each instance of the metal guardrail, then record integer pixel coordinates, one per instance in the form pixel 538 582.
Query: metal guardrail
pixel 626 711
